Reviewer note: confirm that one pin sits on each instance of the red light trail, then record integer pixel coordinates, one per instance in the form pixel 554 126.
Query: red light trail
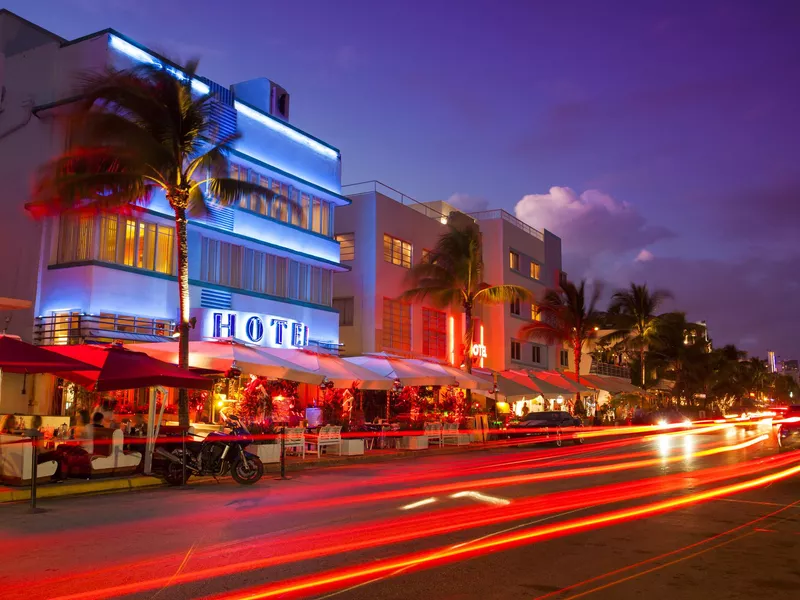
pixel 337 578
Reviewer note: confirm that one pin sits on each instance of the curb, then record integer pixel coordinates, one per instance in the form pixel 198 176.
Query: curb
pixel 80 488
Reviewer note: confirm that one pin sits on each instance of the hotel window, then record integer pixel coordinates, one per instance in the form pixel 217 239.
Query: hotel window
pixel 513 260
pixel 65 327
pixel 241 173
pixel 434 333
pixel 425 255
pixel 396 251
pixel 515 306
pixel 347 246
pixel 536 314
pixel 536 354
pixel 535 269
pixel 564 358
pixel 243 268
pixel 516 350
pixel 305 204
pixel 120 240
pixel 346 308
pixel 396 325
pixel 295 208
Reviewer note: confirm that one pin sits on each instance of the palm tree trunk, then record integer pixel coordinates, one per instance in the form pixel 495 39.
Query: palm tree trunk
pixel 577 348
pixel 183 298
pixel 468 341
pixel 469 336
pixel 644 369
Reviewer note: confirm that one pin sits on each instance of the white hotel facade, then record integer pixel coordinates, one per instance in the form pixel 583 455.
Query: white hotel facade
pixel 260 271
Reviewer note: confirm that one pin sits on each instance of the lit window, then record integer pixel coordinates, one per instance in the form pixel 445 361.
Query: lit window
pixel 516 350
pixel 396 251
pixel 535 268
pixel 396 325
pixel 347 247
pixel 536 314
pixel 425 255
pixel 513 260
pixel 346 308
pixel 434 333
pixel 536 354
pixel 564 358
pixel 120 240
pixel 515 306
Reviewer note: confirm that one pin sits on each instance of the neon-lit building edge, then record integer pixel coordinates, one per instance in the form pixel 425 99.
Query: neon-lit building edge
pixel 259 271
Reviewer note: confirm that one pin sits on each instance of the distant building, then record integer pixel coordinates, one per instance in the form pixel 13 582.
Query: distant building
pixel 384 232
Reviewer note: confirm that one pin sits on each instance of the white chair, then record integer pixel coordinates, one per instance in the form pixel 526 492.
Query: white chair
pixel 433 431
pixel 16 460
pixel 329 435
pixel 450 434
pixel 295 438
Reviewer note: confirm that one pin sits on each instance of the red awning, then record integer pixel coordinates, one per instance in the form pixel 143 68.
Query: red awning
pixel 123 369
pixel 17 356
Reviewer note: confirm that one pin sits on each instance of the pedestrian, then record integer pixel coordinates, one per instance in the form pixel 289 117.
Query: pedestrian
pixel 34 431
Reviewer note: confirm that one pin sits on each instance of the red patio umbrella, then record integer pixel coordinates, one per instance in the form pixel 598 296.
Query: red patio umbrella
pixel 17 356
pixel 123 369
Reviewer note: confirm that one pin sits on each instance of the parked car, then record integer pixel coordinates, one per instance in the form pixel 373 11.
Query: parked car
pixel 546 424
pixel 788 430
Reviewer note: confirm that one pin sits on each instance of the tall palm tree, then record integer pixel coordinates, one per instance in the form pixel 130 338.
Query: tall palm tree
pixel 451 275
pixel 633 311
pixel 136 132
pixel 568 317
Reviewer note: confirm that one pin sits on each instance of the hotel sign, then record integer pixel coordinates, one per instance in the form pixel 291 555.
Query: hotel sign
pixel 478 351
pixel 265 330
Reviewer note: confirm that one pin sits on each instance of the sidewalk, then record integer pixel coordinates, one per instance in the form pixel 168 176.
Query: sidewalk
pixel 76 487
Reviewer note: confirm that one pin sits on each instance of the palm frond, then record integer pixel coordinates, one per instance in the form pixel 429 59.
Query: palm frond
pixel 497 294
pixel 228 191
pixel 544 332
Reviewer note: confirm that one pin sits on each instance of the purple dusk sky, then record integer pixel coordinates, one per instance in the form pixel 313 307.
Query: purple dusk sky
pixel 658 139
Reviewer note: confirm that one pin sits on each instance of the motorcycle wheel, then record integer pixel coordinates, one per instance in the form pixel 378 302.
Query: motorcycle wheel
pixel 248 471
pixel 558 439
pixel 173 474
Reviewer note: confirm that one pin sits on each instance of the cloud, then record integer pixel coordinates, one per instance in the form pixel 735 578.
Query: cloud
pixel 591 223
pixel 644 256
pixel 467 203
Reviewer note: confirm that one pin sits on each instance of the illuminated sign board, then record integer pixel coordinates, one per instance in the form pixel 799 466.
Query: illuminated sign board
pixel 265 330
pixel 478 351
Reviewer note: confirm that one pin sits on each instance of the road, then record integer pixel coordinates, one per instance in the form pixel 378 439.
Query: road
pixel 671 515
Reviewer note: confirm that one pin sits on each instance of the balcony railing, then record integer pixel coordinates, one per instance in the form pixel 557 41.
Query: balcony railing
pixel 75 328
pixel 487 215
pixel 365 187
pixel 602 368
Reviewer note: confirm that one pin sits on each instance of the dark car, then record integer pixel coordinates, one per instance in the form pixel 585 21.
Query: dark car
pixel 789 428
pixel 546 424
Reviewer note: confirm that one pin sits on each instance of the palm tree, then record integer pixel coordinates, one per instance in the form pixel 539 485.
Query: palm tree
pixel 633 311
pixel 451 275
pixel 135 132
pixel 568 317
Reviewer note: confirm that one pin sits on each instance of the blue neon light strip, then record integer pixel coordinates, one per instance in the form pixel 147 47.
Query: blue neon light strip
pixel 140 55
pixel 292 134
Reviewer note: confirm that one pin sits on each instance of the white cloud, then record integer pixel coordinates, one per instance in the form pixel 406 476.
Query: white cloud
pixel 644 256
pixel 590 223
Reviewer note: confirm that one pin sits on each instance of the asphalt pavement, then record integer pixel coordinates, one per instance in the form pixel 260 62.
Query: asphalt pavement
pixel 713 513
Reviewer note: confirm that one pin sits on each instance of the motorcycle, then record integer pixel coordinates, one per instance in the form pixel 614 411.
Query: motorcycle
pixel 217 455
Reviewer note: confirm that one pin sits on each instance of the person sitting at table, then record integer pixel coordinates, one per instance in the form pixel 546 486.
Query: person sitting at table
pixel 139 426
pixel 9 425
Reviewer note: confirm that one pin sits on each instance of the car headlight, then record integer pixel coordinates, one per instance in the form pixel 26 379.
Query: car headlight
pixel 687 423
pixel 662 423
